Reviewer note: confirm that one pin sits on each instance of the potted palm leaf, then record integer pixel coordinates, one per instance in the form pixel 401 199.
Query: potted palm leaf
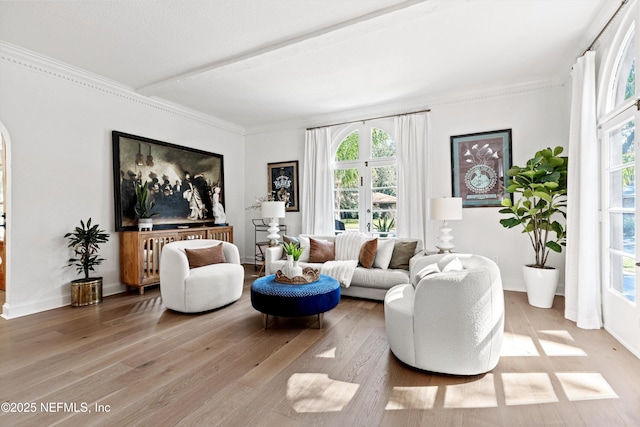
pixel 144 207
pixel 542 186
pixel 85 242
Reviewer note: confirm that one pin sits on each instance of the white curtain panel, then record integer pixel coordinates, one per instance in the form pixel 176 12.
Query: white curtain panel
pixel 317 184
pixel 582 273
pixel 412 142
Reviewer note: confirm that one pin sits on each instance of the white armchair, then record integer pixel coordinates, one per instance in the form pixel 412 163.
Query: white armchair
pixel 450 322
pixel 202 288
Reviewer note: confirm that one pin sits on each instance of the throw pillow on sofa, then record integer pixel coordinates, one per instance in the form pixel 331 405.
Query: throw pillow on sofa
pixel 403 251
pixel 368 253
pixel 384 252
pixel 289 239
pixel 321 251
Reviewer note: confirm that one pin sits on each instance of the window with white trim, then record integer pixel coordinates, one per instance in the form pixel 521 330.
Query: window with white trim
pixel 365 179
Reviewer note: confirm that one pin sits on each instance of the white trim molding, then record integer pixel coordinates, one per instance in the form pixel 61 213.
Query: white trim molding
pixel 39 63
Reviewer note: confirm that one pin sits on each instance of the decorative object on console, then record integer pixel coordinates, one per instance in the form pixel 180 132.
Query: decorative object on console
pixel 273 211
pixel 85 242
pixel 445 209
pixel 283 184
pixel 478 165
pixel 181 182
pixel 542 184
pixel 144 207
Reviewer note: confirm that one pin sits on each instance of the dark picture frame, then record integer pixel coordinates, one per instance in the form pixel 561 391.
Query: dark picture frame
pixel 283 184
pixel 182 181
pixel 479 163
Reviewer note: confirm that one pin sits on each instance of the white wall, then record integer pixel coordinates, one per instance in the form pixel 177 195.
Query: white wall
pixel 61 171
pixel 538 119
pixel 263 148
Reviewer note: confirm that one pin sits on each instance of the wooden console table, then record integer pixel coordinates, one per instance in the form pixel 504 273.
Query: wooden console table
pixel 140 251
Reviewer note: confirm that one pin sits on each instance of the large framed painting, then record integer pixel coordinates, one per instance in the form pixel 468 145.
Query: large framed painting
pixel 479 163
pixel 185 184
pixel 283 184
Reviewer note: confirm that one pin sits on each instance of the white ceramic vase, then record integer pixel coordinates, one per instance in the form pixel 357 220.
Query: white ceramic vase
pixel 295 270
pixel 291 268
pixel 541 284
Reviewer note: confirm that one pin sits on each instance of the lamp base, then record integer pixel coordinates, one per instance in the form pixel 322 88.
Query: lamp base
pixel 273 229
pixel 444 239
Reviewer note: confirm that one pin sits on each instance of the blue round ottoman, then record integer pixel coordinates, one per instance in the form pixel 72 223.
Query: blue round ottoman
pixel 278 299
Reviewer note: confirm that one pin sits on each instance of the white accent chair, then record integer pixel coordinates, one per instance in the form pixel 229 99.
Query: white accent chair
pixel 448 322
pixel 202 288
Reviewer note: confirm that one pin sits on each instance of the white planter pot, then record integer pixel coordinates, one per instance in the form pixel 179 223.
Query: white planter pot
pixel 541 284
pixel 145 224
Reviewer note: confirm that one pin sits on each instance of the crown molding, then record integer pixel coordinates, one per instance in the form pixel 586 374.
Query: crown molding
pixel 409 105
pixel 39 63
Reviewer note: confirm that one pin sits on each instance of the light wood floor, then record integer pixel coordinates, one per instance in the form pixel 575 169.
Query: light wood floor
pixel 144 365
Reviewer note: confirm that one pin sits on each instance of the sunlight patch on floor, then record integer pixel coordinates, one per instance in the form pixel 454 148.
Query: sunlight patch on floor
pixel 412 398
pixel 559 343
pixel 517 345
pixel 319 393
pixel 329 354
pixel 474 394
pixel 552 348
pixel 528 389
pixel 585 386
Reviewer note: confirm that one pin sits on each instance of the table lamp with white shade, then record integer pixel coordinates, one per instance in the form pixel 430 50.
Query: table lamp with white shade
pixel 273 211
pixel 445 209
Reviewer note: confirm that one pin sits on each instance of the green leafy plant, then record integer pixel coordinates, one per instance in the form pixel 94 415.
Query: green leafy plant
pixel 294 249
pixel 144 207
pixel 85 241
pixel 385 224
pixel 542 185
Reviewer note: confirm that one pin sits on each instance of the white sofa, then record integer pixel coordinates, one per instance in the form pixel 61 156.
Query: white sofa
pixel 370 283
pixel 193 290
pixel 450 322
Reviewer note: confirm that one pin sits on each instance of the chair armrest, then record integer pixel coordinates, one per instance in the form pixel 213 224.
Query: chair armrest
pixel 231 253
pixel 273 253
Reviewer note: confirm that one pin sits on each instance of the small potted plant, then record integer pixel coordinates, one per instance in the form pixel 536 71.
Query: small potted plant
pixel 384 224
pixel 85 242
pixel 144 207
pixel 293 252
pixel 542 185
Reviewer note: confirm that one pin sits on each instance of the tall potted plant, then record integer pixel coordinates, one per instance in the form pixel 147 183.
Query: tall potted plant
pixel 542 186
pixel 85 242
pixel 144 207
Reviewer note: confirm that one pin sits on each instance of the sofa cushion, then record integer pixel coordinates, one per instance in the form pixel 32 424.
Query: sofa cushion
pixel 384 252
pixel 321 251
pixel 368 253
pixel 289 239
pixel 378 279
pixel 304 244
pixel 348 245
pixel 402 253
pixel 205 256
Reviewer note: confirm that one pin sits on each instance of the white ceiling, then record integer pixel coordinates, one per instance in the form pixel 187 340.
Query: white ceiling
pixel 256 62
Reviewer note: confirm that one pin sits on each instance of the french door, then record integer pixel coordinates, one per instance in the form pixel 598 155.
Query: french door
pixel 621 222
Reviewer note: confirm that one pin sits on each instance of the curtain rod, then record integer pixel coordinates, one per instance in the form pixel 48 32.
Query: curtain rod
pixel 370 118
pixel 595 40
